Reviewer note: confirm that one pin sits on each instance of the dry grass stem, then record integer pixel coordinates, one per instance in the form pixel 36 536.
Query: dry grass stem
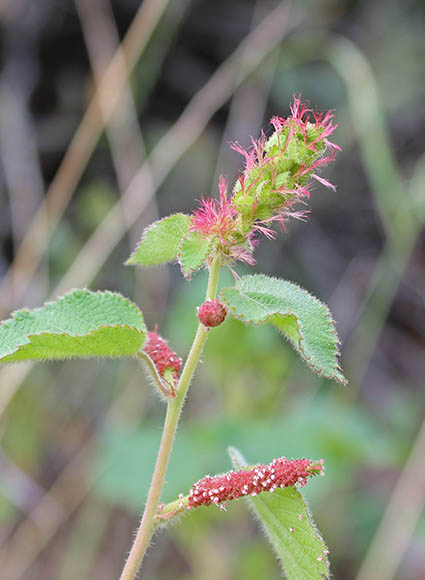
pixel 69 173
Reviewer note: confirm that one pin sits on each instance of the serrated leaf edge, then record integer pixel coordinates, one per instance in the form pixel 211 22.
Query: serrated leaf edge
pixel 337 375
pixel 188 273
pixel 70 294
pixel 311 521
pixel 239 462
pixel 129 261
pixel 64 334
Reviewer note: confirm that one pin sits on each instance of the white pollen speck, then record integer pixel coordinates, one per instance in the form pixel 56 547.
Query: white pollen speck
pixel 291 530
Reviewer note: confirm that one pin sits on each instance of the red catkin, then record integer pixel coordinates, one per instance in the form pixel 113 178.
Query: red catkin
pixel 162 355
pixel 280 473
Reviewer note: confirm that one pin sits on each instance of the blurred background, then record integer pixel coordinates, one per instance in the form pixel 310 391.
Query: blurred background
pixel 113 113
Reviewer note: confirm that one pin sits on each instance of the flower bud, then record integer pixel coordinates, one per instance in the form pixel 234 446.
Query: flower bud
pixel 211 313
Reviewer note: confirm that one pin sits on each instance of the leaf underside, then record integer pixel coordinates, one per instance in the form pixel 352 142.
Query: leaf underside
pixel 160 241
pixel 299 316
pixel 288 525
pixel 80 324
pixel 193 252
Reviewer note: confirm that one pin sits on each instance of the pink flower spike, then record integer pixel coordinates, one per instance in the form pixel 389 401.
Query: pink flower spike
pixel 242 255
pixel 302 191
pixel 222 189
pixel 249 155
pixel 280 473
pixel 324 182
pixel 332 145
pixel 269 233
pixel 298 109
pixel 278 123
pixel 258 147
pixel 215 217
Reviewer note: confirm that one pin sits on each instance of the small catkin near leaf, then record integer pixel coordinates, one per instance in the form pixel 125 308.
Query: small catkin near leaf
pixel 163 357
pixel 278 474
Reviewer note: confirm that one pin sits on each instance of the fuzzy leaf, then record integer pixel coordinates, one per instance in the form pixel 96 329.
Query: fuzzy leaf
pixel 193 252
pixel 160 241
pixel 302 551
pixel 80 324
pixel 302 318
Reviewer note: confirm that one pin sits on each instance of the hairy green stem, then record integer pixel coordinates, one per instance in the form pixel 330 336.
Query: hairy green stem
pixel 148 523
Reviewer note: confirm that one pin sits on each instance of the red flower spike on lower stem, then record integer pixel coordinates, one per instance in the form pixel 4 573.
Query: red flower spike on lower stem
pixel 162 355
pixel 212 313
pixel 280 473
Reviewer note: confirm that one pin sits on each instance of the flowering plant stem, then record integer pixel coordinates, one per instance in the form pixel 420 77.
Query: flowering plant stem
pixel 148 523
pixel 276 178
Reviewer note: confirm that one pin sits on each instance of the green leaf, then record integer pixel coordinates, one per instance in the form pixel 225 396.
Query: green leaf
pixel 193 252
pixel 288 525
pixel 302 318
pixel 160 241
pixel 80 324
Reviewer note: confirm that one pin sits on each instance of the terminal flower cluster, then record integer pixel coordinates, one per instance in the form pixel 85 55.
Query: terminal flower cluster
pixel 280 473
pixel 275 183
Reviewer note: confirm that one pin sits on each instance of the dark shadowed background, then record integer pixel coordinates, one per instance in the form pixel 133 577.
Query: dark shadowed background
pixel 78 440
